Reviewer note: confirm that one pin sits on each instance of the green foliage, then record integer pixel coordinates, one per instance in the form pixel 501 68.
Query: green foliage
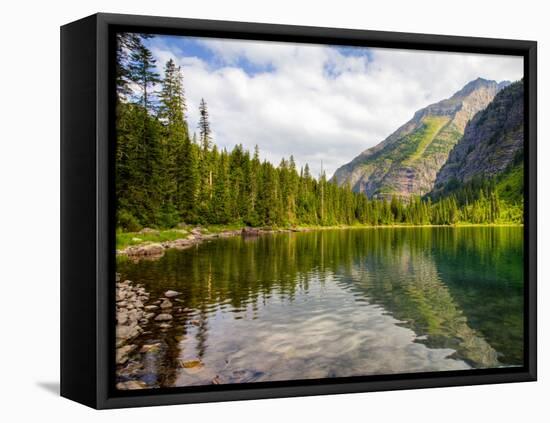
pixel 510 184
pixel 126 239
pixel 127 222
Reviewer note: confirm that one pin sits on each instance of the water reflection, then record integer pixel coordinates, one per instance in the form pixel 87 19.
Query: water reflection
pixel 334 303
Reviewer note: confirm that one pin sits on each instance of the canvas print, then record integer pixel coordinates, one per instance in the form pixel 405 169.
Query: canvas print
pixel 292 212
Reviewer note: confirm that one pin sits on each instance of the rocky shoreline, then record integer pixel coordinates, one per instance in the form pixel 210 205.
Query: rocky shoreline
pixel 131 316
pixel 134 312
pixel 196 236
pixel 139 317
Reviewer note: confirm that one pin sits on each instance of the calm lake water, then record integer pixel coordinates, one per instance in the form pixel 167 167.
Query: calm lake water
pixel 335 303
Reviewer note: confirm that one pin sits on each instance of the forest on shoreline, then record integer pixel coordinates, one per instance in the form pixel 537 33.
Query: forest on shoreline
pixel 166 173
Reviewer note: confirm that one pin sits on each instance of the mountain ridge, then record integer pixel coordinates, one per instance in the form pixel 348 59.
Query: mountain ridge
pixel 407 161
pixel 492 144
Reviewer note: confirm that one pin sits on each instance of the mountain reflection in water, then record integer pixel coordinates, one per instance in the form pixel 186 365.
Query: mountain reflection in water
pixel 334 303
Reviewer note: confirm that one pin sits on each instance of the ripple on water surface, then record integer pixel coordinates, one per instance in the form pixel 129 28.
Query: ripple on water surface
pixel 333 304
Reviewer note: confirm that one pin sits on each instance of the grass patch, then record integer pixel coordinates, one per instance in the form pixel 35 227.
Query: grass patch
pixel 126 239
pixel 424 137
pixel 216 229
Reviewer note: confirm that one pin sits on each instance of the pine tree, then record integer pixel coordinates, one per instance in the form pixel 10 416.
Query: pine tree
pixel 141 71
pixel 187 179
pixel 204 126
pixel 177 160
pixel 125 43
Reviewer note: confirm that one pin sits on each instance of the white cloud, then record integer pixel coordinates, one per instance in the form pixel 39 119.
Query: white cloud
pixel 316 102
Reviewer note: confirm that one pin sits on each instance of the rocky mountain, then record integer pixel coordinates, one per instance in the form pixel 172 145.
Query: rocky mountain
pixel 492 146
pixel 407 162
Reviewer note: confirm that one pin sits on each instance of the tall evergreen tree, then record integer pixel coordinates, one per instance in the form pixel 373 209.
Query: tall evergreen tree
pixel 141 71
pixel 204 126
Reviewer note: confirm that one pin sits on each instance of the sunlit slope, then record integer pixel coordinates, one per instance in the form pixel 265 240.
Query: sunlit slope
pixel 406 163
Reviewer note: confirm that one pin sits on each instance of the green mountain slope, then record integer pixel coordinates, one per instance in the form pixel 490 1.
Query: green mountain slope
pixel 407 162
pixel 491 149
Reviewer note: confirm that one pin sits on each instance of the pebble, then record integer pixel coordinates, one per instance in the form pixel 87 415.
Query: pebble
pixel 131 384
pixel 163 316
pixel 123 352
pixel 166 304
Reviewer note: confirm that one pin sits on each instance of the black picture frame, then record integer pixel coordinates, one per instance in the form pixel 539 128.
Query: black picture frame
pixel 87 210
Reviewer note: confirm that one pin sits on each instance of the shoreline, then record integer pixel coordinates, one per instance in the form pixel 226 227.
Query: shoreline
pixel 198 234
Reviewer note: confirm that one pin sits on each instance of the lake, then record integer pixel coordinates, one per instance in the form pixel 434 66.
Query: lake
pixel 333 303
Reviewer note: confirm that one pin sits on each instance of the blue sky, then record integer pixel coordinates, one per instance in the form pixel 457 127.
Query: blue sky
pixel 319 103
pixel 195 47
pixel 198 47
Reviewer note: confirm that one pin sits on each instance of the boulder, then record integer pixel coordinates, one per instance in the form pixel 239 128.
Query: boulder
pixel 126 332
pixel 248 231
pixel 146 250
pixel 163 316
pixel 131 384
pixel 123 352
pixel 120 295
pixel 121 318
pixel 170 294
pixel 192 366
pixel 179 243
pixel 150 348
pixel 166 304
pixel 188 364
pixel 133 315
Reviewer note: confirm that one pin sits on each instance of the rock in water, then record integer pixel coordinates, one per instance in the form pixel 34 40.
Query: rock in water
pixel 145 250
pixel 166 304
pixel 163 316
pixel 150 348
pixel 123 352
pixel 170 294
pixel 192 366
pixel 131 384
pixel 122 318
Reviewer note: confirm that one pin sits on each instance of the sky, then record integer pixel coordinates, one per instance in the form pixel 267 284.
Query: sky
pixel 322 104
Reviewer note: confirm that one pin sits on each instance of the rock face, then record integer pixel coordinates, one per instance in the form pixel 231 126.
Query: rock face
pixel 492 141
pixel 406 163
